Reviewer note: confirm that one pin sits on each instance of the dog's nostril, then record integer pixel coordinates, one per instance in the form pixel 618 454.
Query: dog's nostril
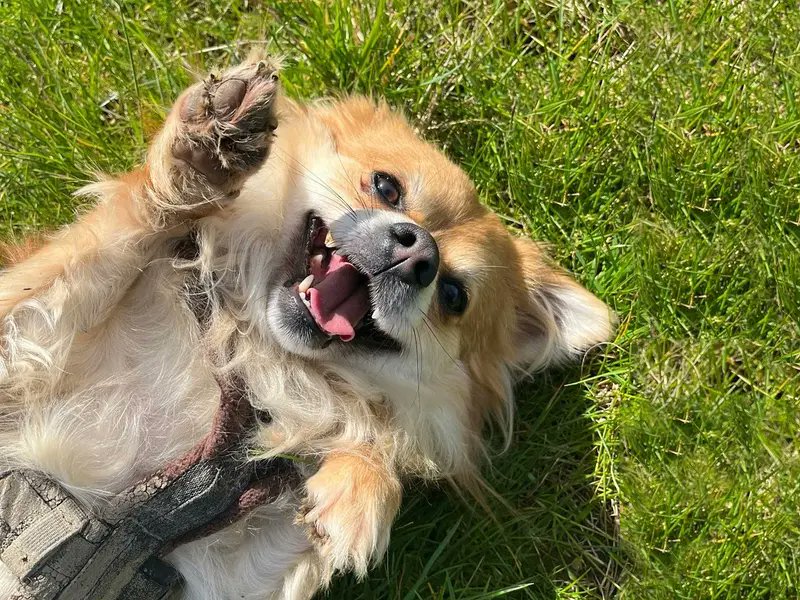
pixel 406 238
pixel 425 273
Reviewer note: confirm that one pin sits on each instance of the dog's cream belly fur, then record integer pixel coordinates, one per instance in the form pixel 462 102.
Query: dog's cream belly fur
pixel 251 559
pixel 135 394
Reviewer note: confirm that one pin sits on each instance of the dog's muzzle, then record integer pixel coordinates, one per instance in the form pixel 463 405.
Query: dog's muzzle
pixel 379 243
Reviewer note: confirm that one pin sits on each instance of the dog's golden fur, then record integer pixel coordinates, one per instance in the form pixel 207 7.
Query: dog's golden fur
pixel 106 373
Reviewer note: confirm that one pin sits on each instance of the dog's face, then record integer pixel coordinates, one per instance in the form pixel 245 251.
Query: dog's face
pixel 394 266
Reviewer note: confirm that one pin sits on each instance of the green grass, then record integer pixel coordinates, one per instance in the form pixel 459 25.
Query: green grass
pixel 656 145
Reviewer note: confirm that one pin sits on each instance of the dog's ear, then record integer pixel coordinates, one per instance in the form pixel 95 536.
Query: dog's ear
pixel 557 318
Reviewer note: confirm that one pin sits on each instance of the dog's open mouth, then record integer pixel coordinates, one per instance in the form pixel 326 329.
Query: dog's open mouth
pixel 333 290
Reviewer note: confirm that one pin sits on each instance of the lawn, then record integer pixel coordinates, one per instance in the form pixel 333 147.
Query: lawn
pixel 655 145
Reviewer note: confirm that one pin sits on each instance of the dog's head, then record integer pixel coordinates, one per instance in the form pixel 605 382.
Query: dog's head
pixel 393 268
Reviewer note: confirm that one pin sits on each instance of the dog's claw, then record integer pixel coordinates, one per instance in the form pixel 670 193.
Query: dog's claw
pixel 319 530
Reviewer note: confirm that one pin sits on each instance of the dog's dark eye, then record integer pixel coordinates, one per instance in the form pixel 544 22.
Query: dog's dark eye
pixel 387 188
pixel 452 296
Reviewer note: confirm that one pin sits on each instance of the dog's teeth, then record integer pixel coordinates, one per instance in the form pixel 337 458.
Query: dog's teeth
pixel 305 284
pixel 329 243
pixel 316 262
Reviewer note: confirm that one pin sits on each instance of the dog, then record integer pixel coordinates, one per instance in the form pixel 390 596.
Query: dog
pixel 341 266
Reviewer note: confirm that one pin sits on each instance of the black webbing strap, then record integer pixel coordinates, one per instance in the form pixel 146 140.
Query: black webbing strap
pixel 60 551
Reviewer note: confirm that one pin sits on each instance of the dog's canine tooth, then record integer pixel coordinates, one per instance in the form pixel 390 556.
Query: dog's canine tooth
pixel 329 243
pixel 305 284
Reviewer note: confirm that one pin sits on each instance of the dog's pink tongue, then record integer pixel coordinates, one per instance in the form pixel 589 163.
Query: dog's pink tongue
pixel 340 300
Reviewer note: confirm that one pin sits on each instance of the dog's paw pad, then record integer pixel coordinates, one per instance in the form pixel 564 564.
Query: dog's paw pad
pixel 226 123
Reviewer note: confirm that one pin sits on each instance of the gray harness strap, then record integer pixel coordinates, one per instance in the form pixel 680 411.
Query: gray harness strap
pixel 58 551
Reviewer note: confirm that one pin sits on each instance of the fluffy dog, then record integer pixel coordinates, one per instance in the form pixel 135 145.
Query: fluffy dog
pixel 339 265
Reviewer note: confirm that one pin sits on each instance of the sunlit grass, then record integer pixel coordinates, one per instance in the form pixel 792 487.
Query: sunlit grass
pixel 654 145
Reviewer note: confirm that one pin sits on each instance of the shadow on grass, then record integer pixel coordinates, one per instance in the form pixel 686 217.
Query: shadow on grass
pixel 558 535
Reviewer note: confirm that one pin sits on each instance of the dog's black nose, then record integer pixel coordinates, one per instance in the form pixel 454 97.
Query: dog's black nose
pixel 414 253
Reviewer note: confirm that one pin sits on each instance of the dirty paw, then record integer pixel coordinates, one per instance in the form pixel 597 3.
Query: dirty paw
pixel 225 126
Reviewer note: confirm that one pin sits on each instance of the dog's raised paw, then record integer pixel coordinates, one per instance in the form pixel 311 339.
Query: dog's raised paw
pixel 225 126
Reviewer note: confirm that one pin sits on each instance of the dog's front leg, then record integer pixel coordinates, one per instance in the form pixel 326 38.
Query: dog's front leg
pixel 351 503
pixel 218 132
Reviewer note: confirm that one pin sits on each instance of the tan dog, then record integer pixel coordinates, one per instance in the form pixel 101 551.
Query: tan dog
pixel 342 267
